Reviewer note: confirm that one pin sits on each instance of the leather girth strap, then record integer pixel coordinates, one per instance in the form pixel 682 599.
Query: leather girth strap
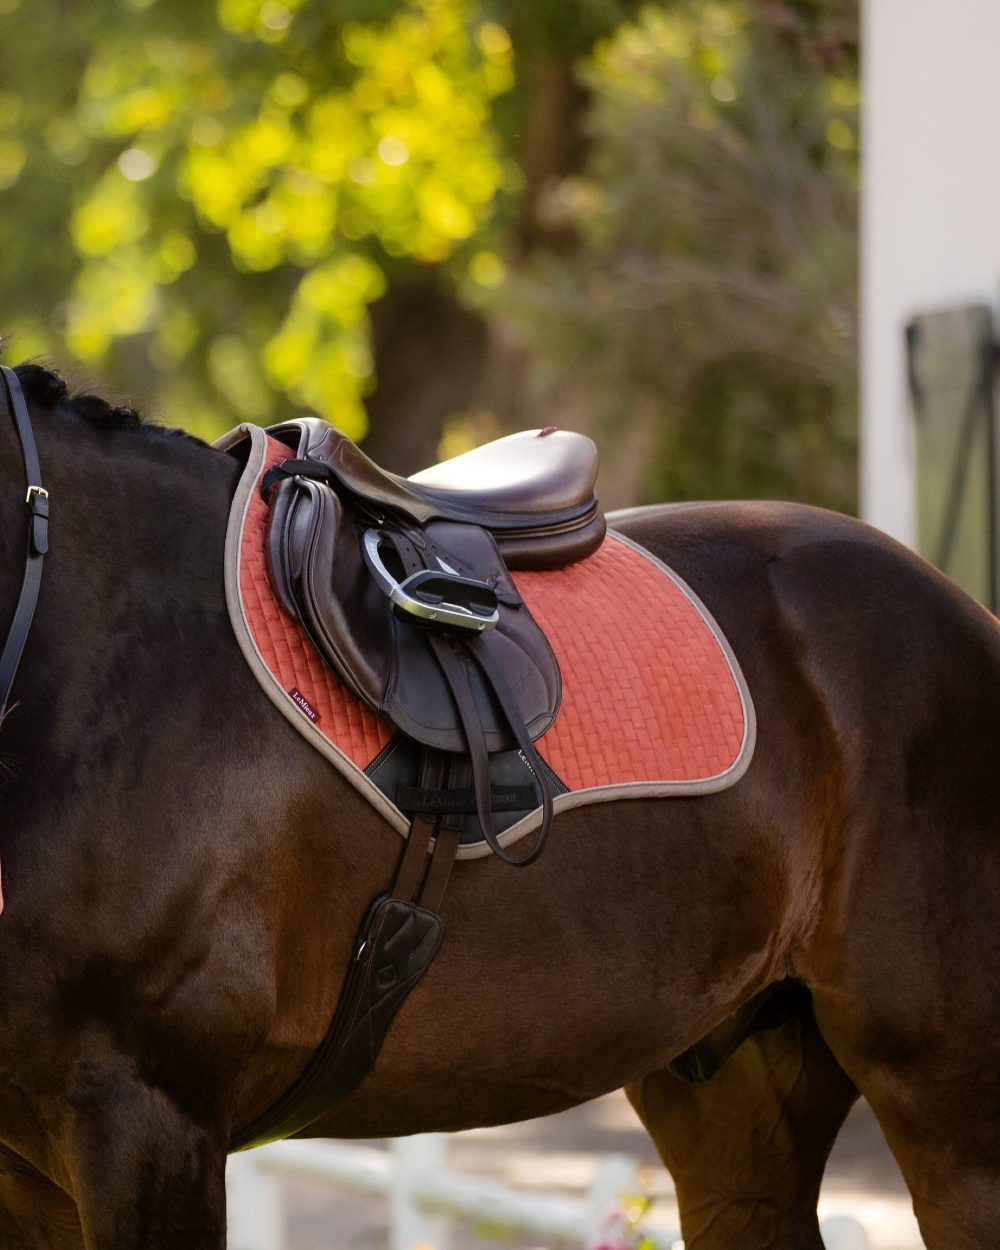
pixel 397 941
pixel 37 501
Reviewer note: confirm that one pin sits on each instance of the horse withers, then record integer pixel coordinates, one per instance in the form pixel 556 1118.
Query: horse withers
pixel 183 878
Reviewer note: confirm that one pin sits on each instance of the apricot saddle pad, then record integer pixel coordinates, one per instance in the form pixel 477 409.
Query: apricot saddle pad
pixel 653 701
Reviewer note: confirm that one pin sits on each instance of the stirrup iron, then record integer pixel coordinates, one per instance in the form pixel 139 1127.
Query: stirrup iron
pixel 439 598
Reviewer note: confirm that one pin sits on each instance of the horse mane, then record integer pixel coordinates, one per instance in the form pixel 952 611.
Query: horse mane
pixel 47 388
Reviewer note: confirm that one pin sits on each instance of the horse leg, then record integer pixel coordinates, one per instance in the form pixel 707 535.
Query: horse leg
pixel 147 1173
pixel 35 1214
pixel 955 1186
pixel 935 1095
pixel 954 1181
pixel 747 1149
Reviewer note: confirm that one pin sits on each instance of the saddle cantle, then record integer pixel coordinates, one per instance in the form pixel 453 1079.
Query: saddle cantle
pixel 403 586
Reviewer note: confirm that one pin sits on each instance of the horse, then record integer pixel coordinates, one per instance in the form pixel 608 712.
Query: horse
pixel 183 878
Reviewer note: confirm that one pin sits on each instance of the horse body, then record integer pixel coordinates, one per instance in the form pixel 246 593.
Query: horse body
pixel 184 877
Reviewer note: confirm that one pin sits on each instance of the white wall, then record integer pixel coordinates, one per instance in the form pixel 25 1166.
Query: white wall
pixel 930 209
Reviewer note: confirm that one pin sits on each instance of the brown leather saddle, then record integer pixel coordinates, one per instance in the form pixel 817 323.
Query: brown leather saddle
pixel 404 587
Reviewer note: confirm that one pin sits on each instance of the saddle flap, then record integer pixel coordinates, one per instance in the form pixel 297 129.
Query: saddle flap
pixel 318 570
pixel 425 709
pixel 421 702
pixel 318 574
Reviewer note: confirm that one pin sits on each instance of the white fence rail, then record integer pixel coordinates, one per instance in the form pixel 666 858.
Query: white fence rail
pixel 425 1197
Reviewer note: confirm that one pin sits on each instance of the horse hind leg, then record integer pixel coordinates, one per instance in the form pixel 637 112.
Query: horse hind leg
pixel 747 1149
pixel 934 1087
pixel 35 1214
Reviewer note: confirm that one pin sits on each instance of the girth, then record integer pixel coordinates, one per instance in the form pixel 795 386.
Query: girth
pixel 398 939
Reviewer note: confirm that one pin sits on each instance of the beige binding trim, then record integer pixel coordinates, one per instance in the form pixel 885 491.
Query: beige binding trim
pixel 659 789
pixel 563 802
pixel 281 699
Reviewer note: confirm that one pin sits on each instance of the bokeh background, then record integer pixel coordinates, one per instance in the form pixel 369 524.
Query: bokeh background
pixel 437 221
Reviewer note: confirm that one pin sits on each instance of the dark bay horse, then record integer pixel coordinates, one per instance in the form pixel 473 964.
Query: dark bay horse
pixel 183 877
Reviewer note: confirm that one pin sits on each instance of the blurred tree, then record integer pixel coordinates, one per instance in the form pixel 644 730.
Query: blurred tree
pixel 709 314
pixel 231 188
pixel 241 180
pixel 240 207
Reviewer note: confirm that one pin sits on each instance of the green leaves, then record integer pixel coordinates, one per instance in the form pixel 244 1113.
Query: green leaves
pixel 320 150
pixel 204 201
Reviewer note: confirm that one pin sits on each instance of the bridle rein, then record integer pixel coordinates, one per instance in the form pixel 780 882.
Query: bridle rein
pixel 37 501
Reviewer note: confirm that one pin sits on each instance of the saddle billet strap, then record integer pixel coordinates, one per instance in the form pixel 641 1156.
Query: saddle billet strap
pixel 443 856
pixel 413 864
pixel 37 501
pixel 428 858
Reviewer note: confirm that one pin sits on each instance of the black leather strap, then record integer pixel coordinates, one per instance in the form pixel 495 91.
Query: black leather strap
pixel 314 469
pixel 484 659
pixel 455 656
pixel 37 501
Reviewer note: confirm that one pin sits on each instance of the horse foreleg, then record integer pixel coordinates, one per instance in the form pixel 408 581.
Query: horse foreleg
pixel 35 1214
pixel 748 1148
pixel 146 1172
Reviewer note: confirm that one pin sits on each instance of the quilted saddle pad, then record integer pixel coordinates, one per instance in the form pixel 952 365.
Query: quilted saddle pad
pixel 653 700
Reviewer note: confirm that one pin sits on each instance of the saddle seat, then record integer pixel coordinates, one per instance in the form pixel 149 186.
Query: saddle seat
pixel 535 471
pixel 534 491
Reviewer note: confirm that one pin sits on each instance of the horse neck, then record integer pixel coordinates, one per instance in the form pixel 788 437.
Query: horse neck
pixel 137 534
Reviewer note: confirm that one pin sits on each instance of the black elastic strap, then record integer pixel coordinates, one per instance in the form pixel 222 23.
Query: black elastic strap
pixel 37 502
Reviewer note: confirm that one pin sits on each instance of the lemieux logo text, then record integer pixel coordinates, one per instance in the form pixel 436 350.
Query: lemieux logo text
pixel 304 704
